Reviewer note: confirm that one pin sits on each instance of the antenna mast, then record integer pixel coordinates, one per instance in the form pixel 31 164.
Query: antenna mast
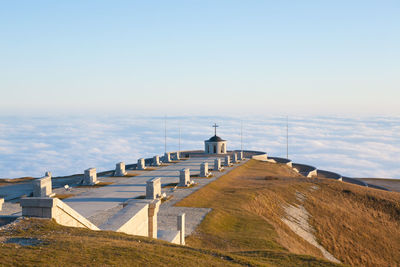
pixel 165 134
pixel 241 135
pixel 287 137
pixel 179 144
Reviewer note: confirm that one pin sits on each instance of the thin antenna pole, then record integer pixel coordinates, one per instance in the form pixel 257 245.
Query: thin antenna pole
pixel 179 145
pixel 165 134
pixel 287 137
pixel 241 135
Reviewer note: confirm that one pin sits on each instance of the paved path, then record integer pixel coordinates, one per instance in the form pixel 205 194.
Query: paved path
pixel 109 197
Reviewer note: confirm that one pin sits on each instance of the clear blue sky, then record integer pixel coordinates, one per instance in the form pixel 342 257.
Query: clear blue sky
pixel 203 56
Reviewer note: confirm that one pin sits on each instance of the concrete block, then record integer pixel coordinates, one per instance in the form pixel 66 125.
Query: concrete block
pixel 42 187
pixel 235 158
pixel 227 161
pixel 156 161
pixel 153 188
pixel 217 164
pixel 90 177
pixel 1 203
pixel 181 228
pixel 204 169
pixel 167 157
pixel 240 155
pixel 120 169
pixel 184 177
pixel 140 164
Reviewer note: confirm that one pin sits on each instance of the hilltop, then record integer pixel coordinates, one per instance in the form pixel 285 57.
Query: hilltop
pixel 253 213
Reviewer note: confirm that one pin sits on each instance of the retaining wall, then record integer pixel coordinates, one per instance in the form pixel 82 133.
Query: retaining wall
pixel 53 208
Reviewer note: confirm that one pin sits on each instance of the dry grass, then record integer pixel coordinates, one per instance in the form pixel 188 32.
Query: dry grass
pixel 246 215
pixel 15 181
pixel 66 246
pixel 359 226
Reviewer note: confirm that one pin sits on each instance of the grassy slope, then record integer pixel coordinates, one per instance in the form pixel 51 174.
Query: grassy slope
pixel 358 225
pixel 66 246
pixel 238 224
pixel 244 228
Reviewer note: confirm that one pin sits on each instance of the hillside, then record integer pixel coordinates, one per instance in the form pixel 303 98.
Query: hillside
pixel 358 225
pixel 249 225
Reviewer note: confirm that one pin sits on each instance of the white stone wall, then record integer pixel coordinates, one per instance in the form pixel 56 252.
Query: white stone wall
pixel 53 208
pixel 1 203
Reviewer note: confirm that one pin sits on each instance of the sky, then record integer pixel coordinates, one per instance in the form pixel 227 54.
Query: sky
pixel 69 144
pixel 199 57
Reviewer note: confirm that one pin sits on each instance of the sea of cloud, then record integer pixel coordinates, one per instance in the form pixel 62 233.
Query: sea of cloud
pixel 355 147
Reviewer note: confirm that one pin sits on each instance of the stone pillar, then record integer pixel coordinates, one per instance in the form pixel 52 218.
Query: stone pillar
pixel 184 177
pixel 140 164
pixel 42 187
pixel 1 203
pixel 240 155
pixel 120 169
pixel 156 161
pixel 181 228
pixel 217 164
pixel 227 160
pixel 154 207
pixel 153 188
pixel 167 157
pixel 234 158
pixel 176 156
pixel 204 169
pixel 90 177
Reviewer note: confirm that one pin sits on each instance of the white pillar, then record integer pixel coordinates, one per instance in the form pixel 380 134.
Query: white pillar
pixel 153 188
pixel 184 177
pixel 42 187
pixel 181 228
pixel 227 160
pixel 1 203
pixel 90 177
pixel 240 155
pixel 120 169
pixel 153 211
pixel 217 164
pixel 156 161
pixel 140 164
pixel 167 157
pixel 235 158
pixel 204 169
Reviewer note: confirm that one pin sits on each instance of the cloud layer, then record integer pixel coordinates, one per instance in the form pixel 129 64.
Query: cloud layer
pixel 356 147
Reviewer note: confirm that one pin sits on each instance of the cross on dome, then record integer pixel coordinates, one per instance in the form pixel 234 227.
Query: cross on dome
pixel 215 126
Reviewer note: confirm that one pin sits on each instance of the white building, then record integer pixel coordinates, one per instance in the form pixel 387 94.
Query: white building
pixel 215 145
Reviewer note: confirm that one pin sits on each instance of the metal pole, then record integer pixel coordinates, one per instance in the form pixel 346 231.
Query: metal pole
pixel 165 134
pixel 241 135
pixel 287 137
pixel 179 145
